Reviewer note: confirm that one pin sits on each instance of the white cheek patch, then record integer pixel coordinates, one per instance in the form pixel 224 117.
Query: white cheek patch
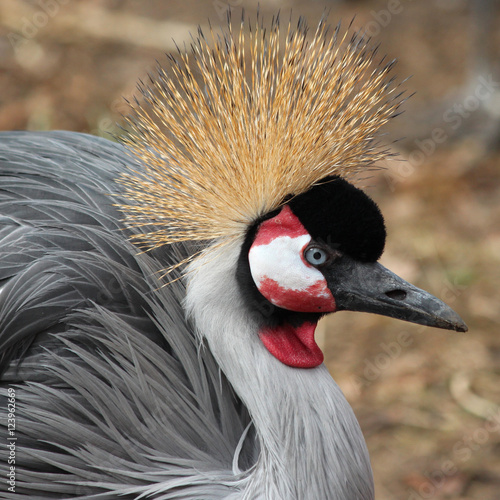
pixel 279 270
pixel 281 260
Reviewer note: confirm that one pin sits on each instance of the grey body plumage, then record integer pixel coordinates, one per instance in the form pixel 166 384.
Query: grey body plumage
pixel 113 392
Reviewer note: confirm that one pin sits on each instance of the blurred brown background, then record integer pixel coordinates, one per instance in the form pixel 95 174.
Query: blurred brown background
pixel 428 400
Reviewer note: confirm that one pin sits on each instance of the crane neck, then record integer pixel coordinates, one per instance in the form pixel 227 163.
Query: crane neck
pixel 311 445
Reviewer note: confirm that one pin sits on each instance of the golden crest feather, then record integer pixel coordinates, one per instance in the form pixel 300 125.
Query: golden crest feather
pixel 247 118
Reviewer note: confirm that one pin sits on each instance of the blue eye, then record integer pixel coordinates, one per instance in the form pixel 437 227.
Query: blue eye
pixel 316 256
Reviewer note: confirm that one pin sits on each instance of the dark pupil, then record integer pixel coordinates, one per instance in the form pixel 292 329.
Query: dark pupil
pixel 317 255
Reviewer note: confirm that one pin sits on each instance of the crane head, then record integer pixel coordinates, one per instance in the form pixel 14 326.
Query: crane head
pixel 256 149
pixel 318 254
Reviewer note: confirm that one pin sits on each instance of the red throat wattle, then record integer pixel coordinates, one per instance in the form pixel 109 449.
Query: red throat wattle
pixel 293 345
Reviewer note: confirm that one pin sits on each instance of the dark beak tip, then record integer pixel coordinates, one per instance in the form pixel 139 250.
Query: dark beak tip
pixel 452 322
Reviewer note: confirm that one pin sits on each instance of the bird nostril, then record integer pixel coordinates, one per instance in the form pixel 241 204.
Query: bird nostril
pixel 396 294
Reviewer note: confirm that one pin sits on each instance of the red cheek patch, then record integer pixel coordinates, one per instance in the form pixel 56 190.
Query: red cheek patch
pixel 315 298
pixel 285 223
pixel 293 346
pixel 280 271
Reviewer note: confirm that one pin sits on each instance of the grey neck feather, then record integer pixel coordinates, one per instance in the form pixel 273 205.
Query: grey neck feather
pixel 311 444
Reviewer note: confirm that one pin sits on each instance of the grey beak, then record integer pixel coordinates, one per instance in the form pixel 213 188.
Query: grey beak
pixel 370 287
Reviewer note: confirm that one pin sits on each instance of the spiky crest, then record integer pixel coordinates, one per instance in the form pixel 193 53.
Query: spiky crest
pixel 246 119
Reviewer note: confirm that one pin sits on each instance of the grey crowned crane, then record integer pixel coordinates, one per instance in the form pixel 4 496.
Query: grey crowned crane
pixel 190 370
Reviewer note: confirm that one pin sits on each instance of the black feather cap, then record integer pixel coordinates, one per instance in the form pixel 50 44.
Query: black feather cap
pixel 342 216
